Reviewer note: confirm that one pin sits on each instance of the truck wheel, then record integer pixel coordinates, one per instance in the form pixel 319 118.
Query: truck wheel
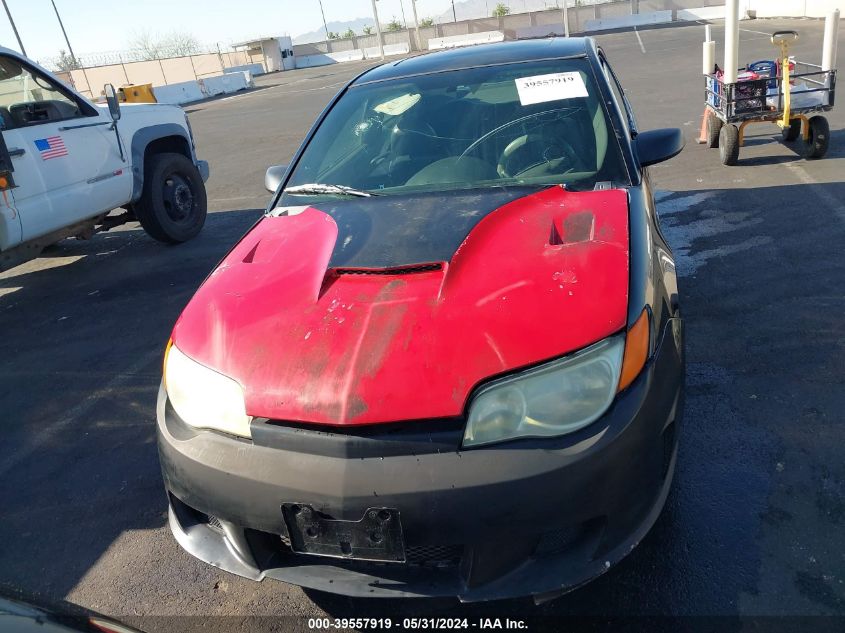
pixel 816 146
pixel 173 204
pixel 789 134
pixel 729 144
pixel 714 126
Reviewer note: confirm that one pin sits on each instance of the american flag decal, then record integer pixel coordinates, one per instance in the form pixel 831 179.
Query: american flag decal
pixel 51 147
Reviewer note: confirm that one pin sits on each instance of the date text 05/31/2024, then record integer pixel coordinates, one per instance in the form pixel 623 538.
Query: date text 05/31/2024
pixel 416 623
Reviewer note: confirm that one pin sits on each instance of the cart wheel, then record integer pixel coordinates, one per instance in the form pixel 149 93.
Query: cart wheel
pixel 817 145
pixel 791 133
pixel 729 144
pixel 714 126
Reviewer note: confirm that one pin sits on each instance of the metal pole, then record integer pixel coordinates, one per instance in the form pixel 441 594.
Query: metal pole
pixel 454 16
pixel 416 24
pixel 14 28
pixel 731 41
pixel 566 18
pixel 67 41
pixel 378 31
pixel 831 31
pixel 404 21
pixel 325 26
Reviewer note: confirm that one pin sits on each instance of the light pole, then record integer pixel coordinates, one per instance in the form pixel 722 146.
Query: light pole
pixel 404 21
pixel 14 28
pixel 67 41
pixel 378 30
pixel 566 18
pixel 416 24
pixel 325 26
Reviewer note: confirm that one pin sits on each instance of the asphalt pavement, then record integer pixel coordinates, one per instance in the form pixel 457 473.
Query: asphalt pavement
pixel 755 524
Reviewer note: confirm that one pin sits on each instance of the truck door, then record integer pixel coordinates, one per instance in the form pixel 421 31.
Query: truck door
pixel 10 221
pixel 67 161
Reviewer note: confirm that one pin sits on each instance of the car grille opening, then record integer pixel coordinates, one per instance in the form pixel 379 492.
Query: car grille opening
pixel 569 537
pixel 210 520
pixel 434 555
pixel 428 556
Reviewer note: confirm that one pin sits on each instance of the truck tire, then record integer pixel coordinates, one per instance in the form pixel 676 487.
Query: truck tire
pixel 714 126
pixel 816 146
pixel 729 144
pixel 173 204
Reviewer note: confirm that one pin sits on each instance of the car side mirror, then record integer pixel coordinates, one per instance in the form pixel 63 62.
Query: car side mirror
pixel 112 101
pixel 274 176
pixel 655 146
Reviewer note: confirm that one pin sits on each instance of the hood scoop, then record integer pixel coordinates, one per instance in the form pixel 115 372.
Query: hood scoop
pixel 394 270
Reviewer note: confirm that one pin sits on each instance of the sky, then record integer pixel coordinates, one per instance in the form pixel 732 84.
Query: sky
pixel 108 25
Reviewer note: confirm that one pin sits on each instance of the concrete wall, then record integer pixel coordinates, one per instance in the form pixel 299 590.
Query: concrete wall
pixel 468 39
pixel 792 8
pixel 159 72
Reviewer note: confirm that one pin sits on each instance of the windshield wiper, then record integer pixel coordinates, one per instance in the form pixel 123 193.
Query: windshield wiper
pixel 317 188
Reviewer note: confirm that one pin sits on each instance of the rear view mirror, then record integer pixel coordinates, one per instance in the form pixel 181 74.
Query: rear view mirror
pixel 655 146
pixel 112 101
pixel 274 176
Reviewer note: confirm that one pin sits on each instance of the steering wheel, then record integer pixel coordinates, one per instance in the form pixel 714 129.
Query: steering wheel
pixel 555 151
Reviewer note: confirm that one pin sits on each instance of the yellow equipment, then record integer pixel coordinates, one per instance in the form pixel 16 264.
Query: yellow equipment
pixel 141 93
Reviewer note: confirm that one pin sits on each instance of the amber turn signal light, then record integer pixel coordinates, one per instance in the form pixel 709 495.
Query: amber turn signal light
pixel 636 351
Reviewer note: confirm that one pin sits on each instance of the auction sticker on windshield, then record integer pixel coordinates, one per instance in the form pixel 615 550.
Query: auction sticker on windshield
pixel 553 87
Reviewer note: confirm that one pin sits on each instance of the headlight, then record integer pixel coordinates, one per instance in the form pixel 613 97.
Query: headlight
pixel 204 398
pixel 553 399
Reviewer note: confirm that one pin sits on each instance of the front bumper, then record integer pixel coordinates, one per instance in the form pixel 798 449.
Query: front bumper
pixel 529 517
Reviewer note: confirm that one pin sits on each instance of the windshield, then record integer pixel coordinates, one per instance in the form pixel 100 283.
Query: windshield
pixel 517 124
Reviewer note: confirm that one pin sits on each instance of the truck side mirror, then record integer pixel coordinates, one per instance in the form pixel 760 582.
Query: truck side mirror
pixel 273 177
pixel 112 101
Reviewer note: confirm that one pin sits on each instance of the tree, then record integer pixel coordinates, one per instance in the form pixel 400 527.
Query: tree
pixel 426 22
pixel 501 10
pixel 367 30
pixel 180 44
pixel 394 25
pixel 349 34
pixel 66 62
pixel 333 35
pixel 147 46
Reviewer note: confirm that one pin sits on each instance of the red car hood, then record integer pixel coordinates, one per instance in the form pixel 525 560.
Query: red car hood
pixel 541 276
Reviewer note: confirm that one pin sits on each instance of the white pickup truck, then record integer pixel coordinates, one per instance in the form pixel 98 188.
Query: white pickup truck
pixel 66 163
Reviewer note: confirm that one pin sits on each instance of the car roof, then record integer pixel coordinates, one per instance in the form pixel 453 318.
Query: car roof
pixel 481 55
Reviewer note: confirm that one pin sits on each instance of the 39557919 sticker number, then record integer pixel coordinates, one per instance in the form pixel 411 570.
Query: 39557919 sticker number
pixel 552 87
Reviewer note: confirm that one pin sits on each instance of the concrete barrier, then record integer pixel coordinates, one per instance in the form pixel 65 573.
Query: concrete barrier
pixel 176 94
pixel 468 39
pixel 254 69
pixel 790 8
pixel 539 30
pixel 702 13
pixel 628 21
pixel 224 84
pixel 372 52
pixel 323 59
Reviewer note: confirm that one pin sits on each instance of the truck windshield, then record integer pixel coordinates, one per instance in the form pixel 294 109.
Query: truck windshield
pixel 516 124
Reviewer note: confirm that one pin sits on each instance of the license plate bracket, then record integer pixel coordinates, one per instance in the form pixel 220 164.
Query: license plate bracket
pixel 377 536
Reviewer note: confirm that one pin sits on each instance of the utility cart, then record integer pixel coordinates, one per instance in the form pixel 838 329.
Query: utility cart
pixel 791 94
